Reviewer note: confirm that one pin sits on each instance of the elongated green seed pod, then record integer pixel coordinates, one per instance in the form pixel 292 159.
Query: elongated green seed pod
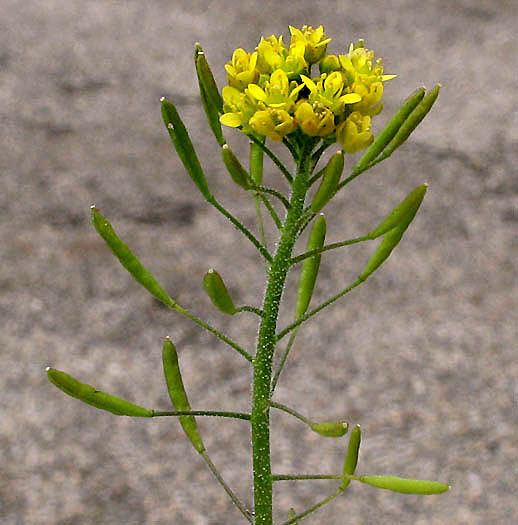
pixel 390 129
pixel 128 259
pixel 90 395
pixel 237 172
pixel 413 120
pixel 310 266
pixel 331 428
pixel 351 457
pixel 184 147
pixel 403 214
pixel 173 378
pixel 218 293
pixel 389 242
pixel 256 163
pixel 207 78
pixel 330 181
pixel 405 486
pixel 209 93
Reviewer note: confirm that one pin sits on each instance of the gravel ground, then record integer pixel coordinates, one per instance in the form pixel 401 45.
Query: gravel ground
pixel 423 356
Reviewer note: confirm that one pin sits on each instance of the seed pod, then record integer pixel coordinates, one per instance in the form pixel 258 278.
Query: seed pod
pixel 331 428
pixel 209 93
pixel 412 121
pixel 403 214
pixel 128 259
pixel 218 292
pixel 405 486
pixel 256 163
pixel 90 395
pixel 237 172
pixel 389 242
pixel 184 147
pixel 330 180
pixel 351 457
pixel 173 378
pixel 310 266
pixel 391 128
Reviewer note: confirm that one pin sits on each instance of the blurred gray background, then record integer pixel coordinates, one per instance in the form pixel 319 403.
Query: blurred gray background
pixel 423 355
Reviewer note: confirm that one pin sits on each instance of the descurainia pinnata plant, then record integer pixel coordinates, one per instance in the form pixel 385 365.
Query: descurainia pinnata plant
pixel 298 95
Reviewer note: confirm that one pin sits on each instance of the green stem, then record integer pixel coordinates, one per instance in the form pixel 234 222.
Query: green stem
pixel 252 309
pixel 246 513
pixel 313 508
pixel 210 413
pixel 272 211
pixel 305 317
pixel 273 157
pixel 303 477
pixel 260 222
pixel 275 193
pixel 263 485
pixel 283 360
pixel 248 234
pixel 328 247
pixel 212 330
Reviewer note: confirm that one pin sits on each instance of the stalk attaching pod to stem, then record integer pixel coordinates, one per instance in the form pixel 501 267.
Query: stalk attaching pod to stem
pixel 176 389
pixel 209 93
pixel 234 167
pixel 403 214
pixel 390 129
pixel 90 395
pixel 331 428
pixel 128 259
pixel 330 180
pixel 310 266
pixel 184 147
pixel 351 456
pixel 405 485
pixel 218 293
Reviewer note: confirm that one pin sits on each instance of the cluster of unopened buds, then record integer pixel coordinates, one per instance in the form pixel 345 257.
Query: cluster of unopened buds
pixel 272 93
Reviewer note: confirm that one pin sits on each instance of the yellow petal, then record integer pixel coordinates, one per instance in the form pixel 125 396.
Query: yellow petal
pixel 231 119
pixel 256 92
pixel 351 98
pixel 384 78
pixel 309 83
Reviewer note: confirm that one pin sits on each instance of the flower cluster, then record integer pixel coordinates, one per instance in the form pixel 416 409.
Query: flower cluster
pixel 271 92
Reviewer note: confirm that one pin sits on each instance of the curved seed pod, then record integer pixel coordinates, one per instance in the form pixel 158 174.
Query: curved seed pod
pixel 391 128
pixel 389 242
pixel 351 457
pixel 218 293
pixel 128 259
pixel 209 94
pixel 405 486
pixel 403 214
pixel 413 120
pixel 237 172
pixel 327 187
pixel 173 378
pixel 90 395
pixel 310 266
pixel 184 147
pixel 331 428
pixel 256 163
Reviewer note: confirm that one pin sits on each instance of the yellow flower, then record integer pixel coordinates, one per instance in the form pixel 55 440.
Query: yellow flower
pixel 354 133
pixel 273 55
pixel 241 70
pixel 277 93
pixel 238 108
pixel 315 121
pixel 273 123
pixel 313 42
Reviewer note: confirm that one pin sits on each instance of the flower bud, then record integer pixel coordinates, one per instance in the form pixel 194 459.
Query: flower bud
pixel 218 293
pixel 329 64
pixel 354 133
pixel 90 395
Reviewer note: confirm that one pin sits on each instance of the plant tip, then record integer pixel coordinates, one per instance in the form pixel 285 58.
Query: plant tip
pixel 162 99
pixel 48 368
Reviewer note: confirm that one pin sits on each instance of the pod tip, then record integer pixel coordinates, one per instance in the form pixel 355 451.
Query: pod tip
pixel 162 99
pixel 225 146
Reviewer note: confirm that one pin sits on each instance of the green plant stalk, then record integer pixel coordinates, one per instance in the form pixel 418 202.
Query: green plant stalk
pixel 260 421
